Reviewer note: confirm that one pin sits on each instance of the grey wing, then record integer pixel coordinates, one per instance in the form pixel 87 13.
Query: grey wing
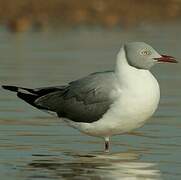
pixel 84 100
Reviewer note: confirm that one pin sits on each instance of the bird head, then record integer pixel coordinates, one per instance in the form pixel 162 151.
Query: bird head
pixel 143 56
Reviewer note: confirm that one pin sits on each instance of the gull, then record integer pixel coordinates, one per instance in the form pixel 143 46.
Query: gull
pixel 107 103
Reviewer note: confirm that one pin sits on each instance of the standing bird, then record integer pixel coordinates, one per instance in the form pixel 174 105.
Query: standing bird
pixel 107 103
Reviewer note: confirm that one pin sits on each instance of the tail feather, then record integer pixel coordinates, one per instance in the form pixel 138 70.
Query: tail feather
pixel 30 95
pixel 18 89
pixel 25 94
pixel 11 88
pixel 29 98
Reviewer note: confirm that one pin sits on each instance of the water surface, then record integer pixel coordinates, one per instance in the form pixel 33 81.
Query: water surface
pixel 36 146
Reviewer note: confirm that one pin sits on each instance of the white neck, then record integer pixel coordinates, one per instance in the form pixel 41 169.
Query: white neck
pixel 125 72
pixel 121 62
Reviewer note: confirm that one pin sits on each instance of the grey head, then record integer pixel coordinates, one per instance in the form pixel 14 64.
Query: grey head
pixel 143 56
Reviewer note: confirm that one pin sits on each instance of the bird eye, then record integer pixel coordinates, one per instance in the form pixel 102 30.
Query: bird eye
pixel 145 52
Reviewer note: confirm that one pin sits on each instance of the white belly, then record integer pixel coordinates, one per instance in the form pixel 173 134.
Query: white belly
pixel 134 104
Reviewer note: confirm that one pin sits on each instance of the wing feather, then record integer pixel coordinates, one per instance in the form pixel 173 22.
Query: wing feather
pixel 84 100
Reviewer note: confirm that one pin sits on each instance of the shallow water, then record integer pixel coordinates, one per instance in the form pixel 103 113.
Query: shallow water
pixel 36 146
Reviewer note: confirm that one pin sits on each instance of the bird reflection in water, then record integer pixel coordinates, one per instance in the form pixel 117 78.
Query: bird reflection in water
pixel 124 165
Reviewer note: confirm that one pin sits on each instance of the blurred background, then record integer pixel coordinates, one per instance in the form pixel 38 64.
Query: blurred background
pixel 52 42
pixel 24 15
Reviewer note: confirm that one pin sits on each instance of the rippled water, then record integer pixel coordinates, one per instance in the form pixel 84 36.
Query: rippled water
pixel 36 146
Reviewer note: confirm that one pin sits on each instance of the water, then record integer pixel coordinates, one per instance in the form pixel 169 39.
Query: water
pixel 36 146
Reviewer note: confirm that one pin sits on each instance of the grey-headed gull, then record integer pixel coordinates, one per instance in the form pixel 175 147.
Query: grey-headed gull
pixel 107 103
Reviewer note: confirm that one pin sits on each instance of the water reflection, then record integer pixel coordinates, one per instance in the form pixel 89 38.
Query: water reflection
pixel 123 166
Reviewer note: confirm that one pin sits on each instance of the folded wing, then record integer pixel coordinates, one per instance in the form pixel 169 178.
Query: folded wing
pixel 84 100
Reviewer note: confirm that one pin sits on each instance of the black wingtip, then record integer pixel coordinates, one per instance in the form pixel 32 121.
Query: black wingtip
pixel 10 88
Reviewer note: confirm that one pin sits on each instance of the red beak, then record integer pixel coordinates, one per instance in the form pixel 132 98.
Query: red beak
pixel 165 58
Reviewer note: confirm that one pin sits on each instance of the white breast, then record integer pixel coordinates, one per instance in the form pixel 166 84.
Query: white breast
pixel 135 103
pixel 136 97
